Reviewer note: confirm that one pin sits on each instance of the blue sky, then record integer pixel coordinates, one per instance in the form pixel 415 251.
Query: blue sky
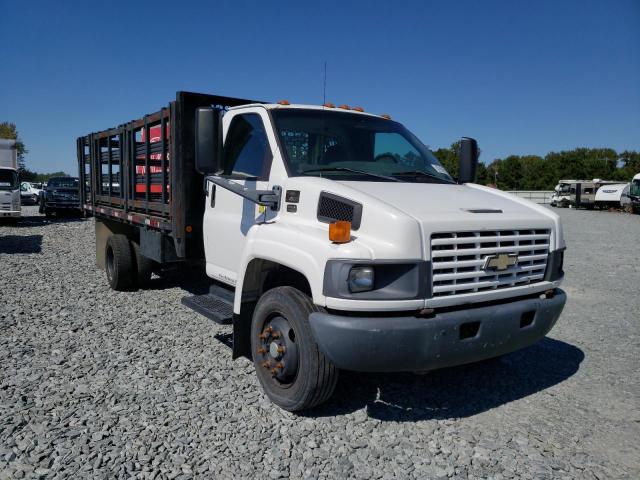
pixel 521 77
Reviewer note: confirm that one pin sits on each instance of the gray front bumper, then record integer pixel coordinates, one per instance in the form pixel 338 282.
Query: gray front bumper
pixel 394 344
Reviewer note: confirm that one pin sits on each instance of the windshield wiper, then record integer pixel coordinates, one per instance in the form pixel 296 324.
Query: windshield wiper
pixel 352 170
pixel 422 173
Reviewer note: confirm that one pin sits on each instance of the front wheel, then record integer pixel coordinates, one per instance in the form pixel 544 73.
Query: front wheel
pixel 293 372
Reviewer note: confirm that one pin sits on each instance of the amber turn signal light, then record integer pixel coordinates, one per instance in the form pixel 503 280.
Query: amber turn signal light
pixel 340 231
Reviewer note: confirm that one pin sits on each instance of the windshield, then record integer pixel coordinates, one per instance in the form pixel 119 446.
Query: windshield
pixel 354 147
pixel 564 188
pixel 8 179
pixel 66 182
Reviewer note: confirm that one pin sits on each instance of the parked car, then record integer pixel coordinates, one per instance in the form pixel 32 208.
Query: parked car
pixel 29 193
pixel 61 194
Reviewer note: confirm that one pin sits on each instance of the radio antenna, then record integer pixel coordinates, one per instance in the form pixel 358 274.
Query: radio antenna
pixel 324 84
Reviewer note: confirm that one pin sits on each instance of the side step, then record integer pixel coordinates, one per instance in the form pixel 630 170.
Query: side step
pixel 217 305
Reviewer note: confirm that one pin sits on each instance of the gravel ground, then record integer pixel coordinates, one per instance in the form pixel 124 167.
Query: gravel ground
pixel 100 384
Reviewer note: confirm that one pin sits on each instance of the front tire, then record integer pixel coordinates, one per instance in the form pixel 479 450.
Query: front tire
pixel 119 262
pixel 292 370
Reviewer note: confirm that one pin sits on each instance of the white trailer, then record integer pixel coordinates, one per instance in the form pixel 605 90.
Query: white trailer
pixel 613 196
pixel 9 186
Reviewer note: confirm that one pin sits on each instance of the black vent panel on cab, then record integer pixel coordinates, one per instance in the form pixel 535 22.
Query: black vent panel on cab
pixel 333 207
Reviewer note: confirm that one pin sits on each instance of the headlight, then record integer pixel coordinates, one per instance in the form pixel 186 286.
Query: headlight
pixel 361 279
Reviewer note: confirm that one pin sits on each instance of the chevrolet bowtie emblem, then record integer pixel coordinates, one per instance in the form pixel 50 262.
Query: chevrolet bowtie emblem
pixel 500 261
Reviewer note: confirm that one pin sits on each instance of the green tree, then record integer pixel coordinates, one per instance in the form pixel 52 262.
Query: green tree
pixel 450 157
pixel 630 162
pixel 9 130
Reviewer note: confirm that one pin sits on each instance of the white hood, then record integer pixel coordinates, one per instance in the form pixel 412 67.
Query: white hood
pixel 447 208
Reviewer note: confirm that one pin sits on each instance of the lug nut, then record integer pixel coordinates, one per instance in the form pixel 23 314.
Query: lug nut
pixel 262 336
pixel 262 350
pixel 266 364
pixel 280 366
pixel 281 349
pixel 276 335
pixel 274 371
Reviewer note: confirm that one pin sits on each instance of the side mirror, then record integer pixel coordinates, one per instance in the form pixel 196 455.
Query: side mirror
pixel 468 160
pixel 208 140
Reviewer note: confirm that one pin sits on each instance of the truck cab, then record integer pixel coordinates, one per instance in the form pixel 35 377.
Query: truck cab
pixel 333 238
pixel 9 184
pixel 397 265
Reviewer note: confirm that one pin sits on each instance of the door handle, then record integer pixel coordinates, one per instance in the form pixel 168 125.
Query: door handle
pixel 213 196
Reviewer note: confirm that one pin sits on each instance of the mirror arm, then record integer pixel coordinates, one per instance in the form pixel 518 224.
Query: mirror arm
pixel 268 198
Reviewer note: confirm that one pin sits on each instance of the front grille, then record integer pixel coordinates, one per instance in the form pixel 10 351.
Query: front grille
pixel 5 206
pixel 458 259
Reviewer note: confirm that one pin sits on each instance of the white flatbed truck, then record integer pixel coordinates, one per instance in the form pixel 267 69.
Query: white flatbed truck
pixel 333 238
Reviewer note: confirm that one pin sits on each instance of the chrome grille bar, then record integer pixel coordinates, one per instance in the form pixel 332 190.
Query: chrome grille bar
pixel 458 259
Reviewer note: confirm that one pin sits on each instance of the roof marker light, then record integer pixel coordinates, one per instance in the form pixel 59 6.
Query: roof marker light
pixel 386 116
pixel 329 105
pixel 344 107
pixel 284 102
pixel 358 109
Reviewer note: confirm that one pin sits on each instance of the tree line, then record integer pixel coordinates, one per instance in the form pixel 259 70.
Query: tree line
pixel 533 172
pixel 515 172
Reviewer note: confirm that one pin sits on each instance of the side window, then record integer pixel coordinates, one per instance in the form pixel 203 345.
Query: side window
pixel 246 148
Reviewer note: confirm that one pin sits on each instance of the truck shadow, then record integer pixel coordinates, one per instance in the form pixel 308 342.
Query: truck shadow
pixel 40 220
pixel 20 244
pixel 454 392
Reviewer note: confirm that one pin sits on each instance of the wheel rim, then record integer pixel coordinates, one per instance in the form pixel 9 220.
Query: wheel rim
pixel 110 265
pixel 277 350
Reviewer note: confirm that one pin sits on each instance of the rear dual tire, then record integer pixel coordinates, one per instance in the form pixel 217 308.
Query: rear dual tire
pixel 126 267
pixel 298 382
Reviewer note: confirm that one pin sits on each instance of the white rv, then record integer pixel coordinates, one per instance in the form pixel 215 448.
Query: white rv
pixel 562 193
pixel 634 193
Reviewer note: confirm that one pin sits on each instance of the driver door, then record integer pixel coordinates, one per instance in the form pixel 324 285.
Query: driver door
pixel 246 160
